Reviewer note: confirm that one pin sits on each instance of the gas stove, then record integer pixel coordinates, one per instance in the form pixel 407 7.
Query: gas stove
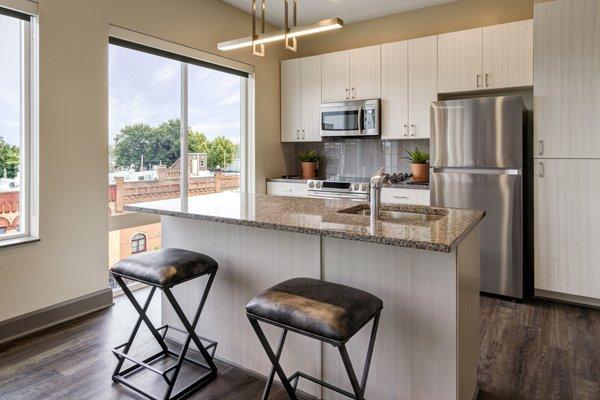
pixel 340 187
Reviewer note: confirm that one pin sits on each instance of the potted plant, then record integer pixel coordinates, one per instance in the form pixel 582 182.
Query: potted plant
pixel 419 165
pixel 309 161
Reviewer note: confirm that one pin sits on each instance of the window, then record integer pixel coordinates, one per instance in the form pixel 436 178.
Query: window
pixel 17 150
pixel 155 95
pixel 138 243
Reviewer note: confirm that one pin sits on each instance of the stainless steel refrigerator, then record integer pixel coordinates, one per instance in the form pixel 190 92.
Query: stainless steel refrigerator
pixel 477 153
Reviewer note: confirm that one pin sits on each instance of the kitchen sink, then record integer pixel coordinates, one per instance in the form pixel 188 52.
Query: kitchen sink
pixel 399 214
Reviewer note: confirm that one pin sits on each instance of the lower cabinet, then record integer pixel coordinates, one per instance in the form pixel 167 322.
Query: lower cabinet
pixel 567 226
pixel 405 196
pixel 287 189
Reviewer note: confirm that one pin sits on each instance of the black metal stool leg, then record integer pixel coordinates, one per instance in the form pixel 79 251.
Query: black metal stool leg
pixel 365 375
pixel 267 389
pixel 350 371
pixel 135 328
pixel 273 358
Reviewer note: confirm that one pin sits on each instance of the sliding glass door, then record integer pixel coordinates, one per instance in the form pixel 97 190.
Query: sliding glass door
pixel 153 94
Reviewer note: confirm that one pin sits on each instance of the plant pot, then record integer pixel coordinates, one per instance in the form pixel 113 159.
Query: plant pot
pixel 420 172
pixel 309 169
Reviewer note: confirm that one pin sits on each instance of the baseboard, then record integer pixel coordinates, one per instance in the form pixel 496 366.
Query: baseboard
pixel 34 321
pixel 567 298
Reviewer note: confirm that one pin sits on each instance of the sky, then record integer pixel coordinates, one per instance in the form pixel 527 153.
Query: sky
pixel 146 88
pixel 10 76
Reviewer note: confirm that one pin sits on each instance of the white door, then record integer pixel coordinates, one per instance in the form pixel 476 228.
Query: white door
pixel 310 99
pixel 394 90
pixel 508 55
pixel 567 234
pixel 422 85
pixel 290 100
pixel 460 61
pixel 335 76
pixel 365 73
pixel 567 79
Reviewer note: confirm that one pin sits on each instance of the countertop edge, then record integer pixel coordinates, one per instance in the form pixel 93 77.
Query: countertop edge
pixel 410 244
pixel 415 186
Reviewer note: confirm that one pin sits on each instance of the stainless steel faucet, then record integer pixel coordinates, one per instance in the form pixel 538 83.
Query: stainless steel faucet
pixel 377 181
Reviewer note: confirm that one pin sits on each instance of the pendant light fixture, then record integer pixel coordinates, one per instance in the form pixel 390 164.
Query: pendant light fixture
pixel 289 34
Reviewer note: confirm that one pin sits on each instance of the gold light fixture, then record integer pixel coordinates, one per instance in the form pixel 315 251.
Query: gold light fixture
pixel 289 34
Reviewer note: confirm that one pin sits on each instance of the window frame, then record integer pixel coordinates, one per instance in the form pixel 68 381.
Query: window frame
pixel 137 238
pixel 29 135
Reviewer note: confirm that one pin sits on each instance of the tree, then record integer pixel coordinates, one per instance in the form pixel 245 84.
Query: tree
pixel 9 159
pixel 221 152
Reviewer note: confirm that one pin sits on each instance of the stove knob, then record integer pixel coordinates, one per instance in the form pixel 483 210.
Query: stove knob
pixel 318 185
pixel 363 187
pixel 311 184
pixel 355 186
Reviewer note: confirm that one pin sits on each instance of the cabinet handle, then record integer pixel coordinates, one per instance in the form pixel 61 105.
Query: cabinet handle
pixel 401 197
pixel 477 80
pixel 541 147
pixel 487 84
pixel 541 170
pixel 347 95
pixel 405 130
pixel 413 126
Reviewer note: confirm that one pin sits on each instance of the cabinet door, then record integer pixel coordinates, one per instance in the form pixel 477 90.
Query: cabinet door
pixel 460 61
pixel 290 100
pixel 365 73
pixel 567 234
pixel 405 196
pixel 310 98
pixel 394 90
pixel 335 76
pixel 422 85
pixel 508 55
pixel 567 85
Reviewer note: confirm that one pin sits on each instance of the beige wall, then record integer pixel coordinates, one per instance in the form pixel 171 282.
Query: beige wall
pixel 72 258
pixel 455 16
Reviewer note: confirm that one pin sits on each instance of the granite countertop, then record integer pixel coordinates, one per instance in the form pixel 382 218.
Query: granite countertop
pixel 322 217
pixel 402 185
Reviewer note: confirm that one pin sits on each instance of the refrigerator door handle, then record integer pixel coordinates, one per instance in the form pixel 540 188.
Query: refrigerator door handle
pixel 477 171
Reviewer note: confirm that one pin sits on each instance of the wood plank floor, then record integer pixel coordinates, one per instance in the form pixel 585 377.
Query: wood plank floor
pixel 540 350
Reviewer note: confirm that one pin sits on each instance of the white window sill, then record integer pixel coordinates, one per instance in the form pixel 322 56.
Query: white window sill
pixel 9 242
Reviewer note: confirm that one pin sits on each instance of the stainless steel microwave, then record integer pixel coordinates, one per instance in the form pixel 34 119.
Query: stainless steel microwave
pixel 351 118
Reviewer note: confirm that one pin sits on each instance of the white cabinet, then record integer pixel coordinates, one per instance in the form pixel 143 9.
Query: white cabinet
pixel 408 86
pixel 290 100
pixel 498 56
pixel 287 189
pixel 310 98
pixel 422 85
pixel 351 75
pixel 567 79
pixel 460 61
pixel 335 73
pixel 405 196
pixel 365 73
pixel 301 99
pixel 508 55
pixel 567 230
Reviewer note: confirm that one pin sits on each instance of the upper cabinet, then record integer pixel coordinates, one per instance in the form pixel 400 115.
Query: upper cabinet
pixel 301 99
pixel 508 55
pixel 567 84
pixel 351 75
pixel 408 86
pixel 493 57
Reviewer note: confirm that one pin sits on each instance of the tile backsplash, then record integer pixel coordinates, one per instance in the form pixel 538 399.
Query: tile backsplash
pixel 358 157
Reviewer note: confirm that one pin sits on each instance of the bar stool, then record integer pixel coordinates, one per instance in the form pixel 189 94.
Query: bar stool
pixel 325 311
pixel 164 269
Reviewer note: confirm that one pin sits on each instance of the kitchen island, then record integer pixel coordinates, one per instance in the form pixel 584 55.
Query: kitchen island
pixel 422 261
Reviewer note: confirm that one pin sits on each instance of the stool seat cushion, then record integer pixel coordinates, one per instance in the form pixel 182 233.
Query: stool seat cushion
pixel 164 267
pixel 325 309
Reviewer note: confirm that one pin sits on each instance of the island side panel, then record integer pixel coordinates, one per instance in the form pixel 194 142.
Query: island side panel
pixel 467 261
pixel 250 260
pixel 415 354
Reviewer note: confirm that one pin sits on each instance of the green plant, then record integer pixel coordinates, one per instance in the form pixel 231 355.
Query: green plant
pixel 309 156
pixel 417 156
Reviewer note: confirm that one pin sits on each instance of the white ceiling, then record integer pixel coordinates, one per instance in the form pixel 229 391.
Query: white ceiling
pixel 348 10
